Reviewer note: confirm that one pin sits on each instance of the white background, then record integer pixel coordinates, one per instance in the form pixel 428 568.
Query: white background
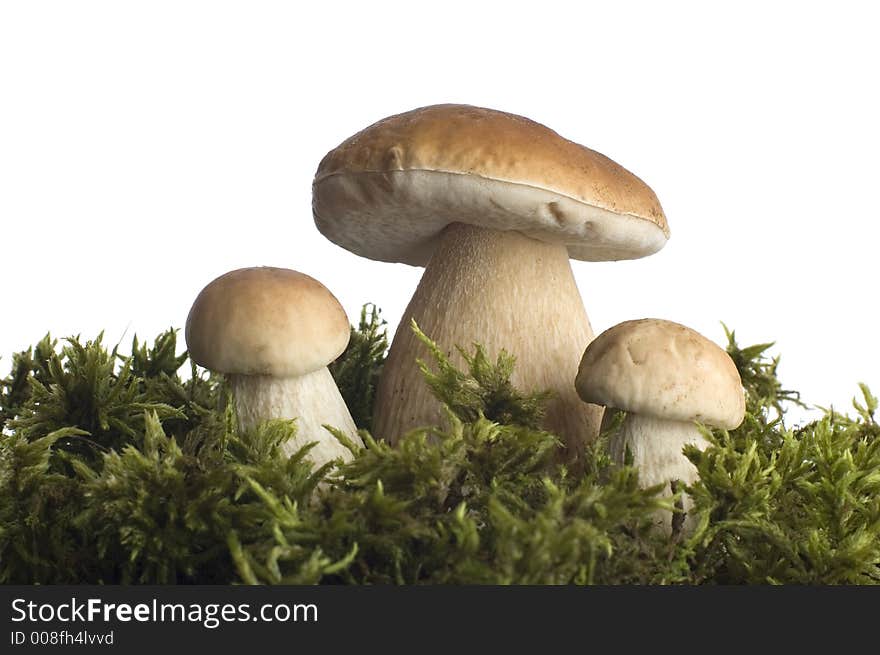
pixel 146 148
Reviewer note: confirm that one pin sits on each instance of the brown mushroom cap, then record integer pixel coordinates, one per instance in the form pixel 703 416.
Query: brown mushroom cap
pixel 266 321
pixel 387 192
pixel 658 368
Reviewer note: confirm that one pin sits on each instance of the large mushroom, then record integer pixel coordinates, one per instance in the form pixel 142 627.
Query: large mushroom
pixel 667 378
pixel 492 205
pixel 273 331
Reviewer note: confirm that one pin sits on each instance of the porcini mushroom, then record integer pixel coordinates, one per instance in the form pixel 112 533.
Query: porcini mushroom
pixel 667 378
pixel 492 205
pixel 273 331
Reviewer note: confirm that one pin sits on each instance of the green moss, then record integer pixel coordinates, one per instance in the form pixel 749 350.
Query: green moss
pixel 114 468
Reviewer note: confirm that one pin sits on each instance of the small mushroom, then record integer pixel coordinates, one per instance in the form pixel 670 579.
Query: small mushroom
pixel 273 331
pixel 667 378
pixel 493 205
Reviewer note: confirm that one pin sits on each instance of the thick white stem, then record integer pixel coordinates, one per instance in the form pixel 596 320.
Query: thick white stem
pixel 655 445
pixel 503 290
pixel 312 399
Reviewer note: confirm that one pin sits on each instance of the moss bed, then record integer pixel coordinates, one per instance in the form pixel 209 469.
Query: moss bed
pixel 118 469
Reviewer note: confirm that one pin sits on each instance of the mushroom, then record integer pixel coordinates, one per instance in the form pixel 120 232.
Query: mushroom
pixel 492 205
pixel 666 377
pixel 273 331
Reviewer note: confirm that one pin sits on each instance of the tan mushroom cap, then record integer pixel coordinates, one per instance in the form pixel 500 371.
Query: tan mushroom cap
pixel 658 368
pixel 266 321
pixel 388 191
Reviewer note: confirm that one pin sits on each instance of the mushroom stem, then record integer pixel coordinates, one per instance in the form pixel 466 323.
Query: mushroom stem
pixel 501 289
pixel 312 399
pixel 655 445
